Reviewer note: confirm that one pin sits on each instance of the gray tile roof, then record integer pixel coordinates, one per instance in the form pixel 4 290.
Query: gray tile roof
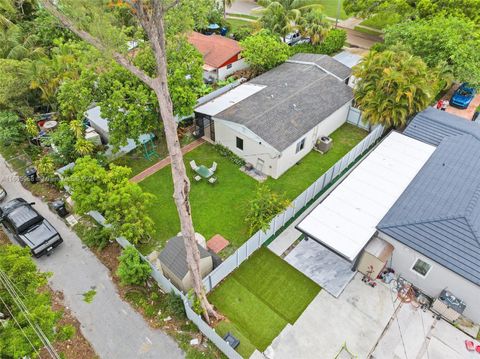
pixel 432 126
pixel 297 97
pixel 174 256
pixel 438 214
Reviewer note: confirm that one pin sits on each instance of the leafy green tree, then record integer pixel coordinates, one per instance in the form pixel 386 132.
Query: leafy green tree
pixel 132 269
pixel 17 265
pixel 12 130
pixel 74 96
pixel 109 191
pixel 15 92
pixel 64 141
pixel 264 207
pixel 469 9
pixel 393 86
pixel 446 41
pixel 15 44
pixel 31 127
pixel 264 51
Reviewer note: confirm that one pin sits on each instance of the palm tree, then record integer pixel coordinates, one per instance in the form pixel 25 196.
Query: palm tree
pixel 284 16
pixel 315 26
pixel 16 45
pixel 393 86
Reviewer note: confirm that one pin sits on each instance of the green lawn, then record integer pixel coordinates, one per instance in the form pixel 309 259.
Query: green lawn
pixel 235 24
pixel 222 208
pixel 260 298
pixel 367 31
pixel 330 8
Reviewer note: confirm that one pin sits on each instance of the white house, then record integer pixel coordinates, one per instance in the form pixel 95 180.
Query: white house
pixel 275 119
pixel 221 55
pixel 418 192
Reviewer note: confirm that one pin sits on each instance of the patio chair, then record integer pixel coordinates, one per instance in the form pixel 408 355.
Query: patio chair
pixel 197 178
pixel 193 165
pixel 214 167
pixel 212 180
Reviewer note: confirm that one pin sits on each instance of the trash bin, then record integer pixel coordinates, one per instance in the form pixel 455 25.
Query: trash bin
pixel 59 208
pixel 223 31
pixel 31 174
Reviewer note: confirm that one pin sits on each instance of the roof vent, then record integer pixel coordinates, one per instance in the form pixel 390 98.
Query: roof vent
pixel 294 106
pixel 286 84
pixel 272 95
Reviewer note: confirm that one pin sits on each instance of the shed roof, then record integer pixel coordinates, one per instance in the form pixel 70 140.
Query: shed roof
pixel 296 97
pixel 216 49
pixel 174 256
pixel 438 214
pixel 345 221
pixel 347 58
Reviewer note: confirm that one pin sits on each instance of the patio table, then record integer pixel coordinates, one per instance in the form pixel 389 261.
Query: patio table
pixel 204 171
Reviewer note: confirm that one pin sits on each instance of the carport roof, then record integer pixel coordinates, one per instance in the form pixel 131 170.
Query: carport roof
pixel 347 219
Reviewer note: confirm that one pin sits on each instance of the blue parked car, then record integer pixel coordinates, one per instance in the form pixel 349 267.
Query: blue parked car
pixel 463 96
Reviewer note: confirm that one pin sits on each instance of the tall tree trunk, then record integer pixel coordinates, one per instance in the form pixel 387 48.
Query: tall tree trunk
pixel 152 22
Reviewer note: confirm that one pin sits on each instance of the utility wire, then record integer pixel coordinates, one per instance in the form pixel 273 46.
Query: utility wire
pixel 19 326
pixel 18 301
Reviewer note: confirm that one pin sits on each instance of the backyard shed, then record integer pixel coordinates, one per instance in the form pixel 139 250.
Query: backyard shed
pixel 346 220
pixel 173 259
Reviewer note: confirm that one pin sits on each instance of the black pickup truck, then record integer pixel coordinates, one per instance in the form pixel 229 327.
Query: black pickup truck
pixel 28 227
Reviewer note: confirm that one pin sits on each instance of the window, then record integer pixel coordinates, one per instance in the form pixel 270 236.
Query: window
pixel 240 143
pixel 421 267
pixel 300 145
pixel 229 66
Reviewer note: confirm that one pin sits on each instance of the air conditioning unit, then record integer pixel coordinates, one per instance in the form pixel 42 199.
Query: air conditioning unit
pixel 324 144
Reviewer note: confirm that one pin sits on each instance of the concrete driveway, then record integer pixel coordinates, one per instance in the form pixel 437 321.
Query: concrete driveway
pixel 357 318
pixel 114 329
pixel 245 7
pixel 422 336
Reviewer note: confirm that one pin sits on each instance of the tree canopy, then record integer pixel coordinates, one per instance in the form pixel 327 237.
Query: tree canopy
pixel 264 51
pixel 447 41
pixel 393 86
pixel 109 191
pixel 16 334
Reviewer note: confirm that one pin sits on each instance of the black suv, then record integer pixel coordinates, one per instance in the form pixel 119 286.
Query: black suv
pixel 29 227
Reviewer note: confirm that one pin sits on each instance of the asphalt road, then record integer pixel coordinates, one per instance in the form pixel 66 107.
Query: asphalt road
pixel 114 329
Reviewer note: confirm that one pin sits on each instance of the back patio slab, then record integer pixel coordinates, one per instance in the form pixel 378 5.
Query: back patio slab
pixel 357 318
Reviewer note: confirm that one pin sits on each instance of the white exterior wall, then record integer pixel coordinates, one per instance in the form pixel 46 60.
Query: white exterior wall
pixel 238 65
pixel 253 146
pixel 289 156
pixel 437 279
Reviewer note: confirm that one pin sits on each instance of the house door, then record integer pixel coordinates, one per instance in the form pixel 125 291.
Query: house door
pixel 260 164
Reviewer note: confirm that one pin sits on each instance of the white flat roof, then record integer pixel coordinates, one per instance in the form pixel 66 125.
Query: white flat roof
pixel 229 99
pixel 347 219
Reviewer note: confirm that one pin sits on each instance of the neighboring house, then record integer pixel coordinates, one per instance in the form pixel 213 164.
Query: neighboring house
pixel 173 259
pixel 435 224
pixel 275 119
pixel 221 55
pixel 100 125
pixel 420 193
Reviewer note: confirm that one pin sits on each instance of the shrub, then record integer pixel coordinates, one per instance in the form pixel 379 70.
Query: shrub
pixel 97 237
pixel 67 332
pixel 263 208
pixel 132 269
pixel 12 130
pixel 264 51
pixel 174 304
pixel 226 152
pixel 46 168
pixel 242 33
pixel 334 42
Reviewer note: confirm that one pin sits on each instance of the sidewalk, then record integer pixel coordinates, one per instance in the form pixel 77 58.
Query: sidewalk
pixel 164 162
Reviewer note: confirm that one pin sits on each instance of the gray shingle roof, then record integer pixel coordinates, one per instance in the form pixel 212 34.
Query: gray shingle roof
pixel 297 97
pixel 325 62
pixel 438 214
pixel 174 256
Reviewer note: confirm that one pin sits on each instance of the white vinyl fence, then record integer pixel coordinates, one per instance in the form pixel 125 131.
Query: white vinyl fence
pixel 298 205
pixel 354 117
pixel 254 243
